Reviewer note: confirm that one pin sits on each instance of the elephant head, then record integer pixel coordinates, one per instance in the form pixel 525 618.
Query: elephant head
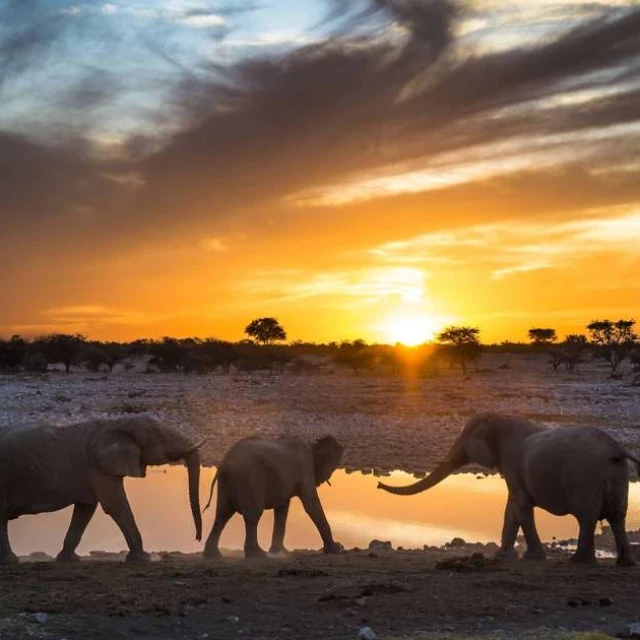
pixel 125 448
pixel 479 442
pixel 327 454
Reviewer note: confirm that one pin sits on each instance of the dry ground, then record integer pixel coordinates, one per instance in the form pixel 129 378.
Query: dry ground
pixel 397 594
pixel 385 422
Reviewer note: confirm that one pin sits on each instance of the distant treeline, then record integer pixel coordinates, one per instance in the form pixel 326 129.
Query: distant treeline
pixel 455 347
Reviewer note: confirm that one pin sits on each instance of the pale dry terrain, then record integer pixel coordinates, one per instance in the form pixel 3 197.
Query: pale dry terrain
pixel 385 422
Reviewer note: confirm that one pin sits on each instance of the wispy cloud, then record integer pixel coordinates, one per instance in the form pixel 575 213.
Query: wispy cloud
pixel 518 247
pixel 352 288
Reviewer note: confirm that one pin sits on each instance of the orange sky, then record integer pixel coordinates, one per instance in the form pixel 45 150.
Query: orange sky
pixel 386 173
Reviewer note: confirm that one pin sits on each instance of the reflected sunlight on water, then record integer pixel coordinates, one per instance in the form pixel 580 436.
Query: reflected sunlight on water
pixel 462 506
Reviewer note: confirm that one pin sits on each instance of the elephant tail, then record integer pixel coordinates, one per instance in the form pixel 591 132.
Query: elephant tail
pixel 213 484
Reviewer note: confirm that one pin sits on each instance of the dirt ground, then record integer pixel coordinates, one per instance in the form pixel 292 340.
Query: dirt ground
pixel 309 595
pixel 385 422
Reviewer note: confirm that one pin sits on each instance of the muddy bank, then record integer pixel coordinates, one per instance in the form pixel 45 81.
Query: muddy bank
pixel 308 595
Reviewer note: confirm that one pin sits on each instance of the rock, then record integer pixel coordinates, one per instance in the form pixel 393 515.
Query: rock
pixel 41 617
pixel 457 542
pixel 379 545
pixel 465 564
pixel 361 602
pixel 233 619
pixel 633 631
pixel 366 633
pixel 605 602
pixel 226 599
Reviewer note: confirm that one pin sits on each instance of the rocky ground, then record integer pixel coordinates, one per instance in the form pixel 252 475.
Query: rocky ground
pixel 443 594
pixel 385 422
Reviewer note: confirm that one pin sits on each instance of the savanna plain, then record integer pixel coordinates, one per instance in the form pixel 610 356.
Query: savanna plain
pixel 385 423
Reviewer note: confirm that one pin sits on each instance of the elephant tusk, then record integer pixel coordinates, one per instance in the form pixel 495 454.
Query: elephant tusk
pixel 195 446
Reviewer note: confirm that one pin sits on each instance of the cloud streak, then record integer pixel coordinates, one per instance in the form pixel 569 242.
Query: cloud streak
pixel 413 117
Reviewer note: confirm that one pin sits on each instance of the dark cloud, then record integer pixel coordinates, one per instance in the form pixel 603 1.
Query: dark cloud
pixel 355 102
pixel 390 84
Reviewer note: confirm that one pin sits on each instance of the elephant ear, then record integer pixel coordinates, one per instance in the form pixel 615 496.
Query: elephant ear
pixel 478 450
pixel 117 453
pixel 326 457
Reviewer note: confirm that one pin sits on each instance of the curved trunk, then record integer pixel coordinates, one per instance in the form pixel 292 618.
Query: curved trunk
pixel 192 460
pixel 437 475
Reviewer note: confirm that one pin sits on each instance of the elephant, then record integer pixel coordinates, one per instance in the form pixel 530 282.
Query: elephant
pixel 46 468
pixel 580 471
pixel 258 474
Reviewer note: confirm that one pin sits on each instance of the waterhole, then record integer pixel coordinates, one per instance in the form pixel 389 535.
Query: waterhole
pixel 461 506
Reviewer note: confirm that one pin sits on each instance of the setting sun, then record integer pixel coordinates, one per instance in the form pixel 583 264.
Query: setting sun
pixel 410 329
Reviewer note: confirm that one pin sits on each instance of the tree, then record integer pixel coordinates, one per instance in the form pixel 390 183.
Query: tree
pixel 569 353
pixel 542 336
pixel 115 353
pixel 356 355
pixel 170 354
pixel 614 340
pixel 265 331
pixel 462 345
pixel 13 353
pixel 94 357
pixel 63 347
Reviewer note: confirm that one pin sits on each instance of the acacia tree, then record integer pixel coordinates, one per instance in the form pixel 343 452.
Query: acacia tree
pixel 356 355
pixel 63 347
pixel 614 340
pixel 462 344
pixel 539 336
pixel 265 331
pixel 569 353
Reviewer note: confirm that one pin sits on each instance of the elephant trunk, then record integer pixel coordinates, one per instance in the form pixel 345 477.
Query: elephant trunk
pixel 437 475
pixel 192 460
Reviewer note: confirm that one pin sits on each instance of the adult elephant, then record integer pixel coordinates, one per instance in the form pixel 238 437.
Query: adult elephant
pixel 45 468
pixel 580 471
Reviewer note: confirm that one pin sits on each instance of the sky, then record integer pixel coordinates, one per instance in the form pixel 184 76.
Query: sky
pixel 373 169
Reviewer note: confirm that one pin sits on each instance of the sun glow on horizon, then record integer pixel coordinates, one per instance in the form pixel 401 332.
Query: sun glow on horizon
pixel 410 329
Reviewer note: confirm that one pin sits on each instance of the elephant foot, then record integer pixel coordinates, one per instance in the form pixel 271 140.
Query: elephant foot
pixel 625 561
pixel 67 556
pixel 534 554
pixel 211 553
pixel 256 552
pixel 281 550
pixel 506 554
pixel 333 547
pixel 138 557
pixel 583 558
pixel 9 558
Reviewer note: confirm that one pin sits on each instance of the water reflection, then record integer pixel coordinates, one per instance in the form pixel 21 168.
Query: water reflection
pixel 461 506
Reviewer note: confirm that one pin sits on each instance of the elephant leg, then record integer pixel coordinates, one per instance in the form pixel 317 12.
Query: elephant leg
pixel 224 511
pixel 586 551
pixel 510 530
pixel 113 499
pixel 625 554
pixel 535 550
pixel 82 514
pixel 279 524
pixel 313 507
pixel 6 555
pixel 251 547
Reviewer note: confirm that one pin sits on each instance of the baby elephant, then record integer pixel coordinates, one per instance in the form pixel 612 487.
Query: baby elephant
pixel 258 474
